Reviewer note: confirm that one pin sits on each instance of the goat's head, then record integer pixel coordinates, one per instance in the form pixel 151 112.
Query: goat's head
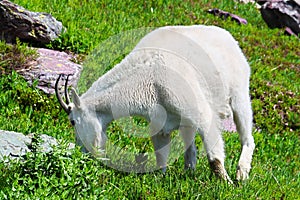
pixel 89 129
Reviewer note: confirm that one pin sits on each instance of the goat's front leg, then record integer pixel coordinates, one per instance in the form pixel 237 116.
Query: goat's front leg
pixel 161 143
pixel 160 139
pixel 190 154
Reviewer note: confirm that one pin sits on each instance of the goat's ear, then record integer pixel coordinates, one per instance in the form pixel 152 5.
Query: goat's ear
pixel 75 98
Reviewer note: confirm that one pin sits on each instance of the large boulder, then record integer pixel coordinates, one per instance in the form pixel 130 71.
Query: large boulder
pixel 17 22
pixel 14 145
pixel 282 14
pixel 47 66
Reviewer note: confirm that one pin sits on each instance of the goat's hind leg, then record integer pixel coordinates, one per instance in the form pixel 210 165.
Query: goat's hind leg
pixel 242 114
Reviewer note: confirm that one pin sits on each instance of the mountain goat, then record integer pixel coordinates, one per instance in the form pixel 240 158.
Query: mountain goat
pixel 185 78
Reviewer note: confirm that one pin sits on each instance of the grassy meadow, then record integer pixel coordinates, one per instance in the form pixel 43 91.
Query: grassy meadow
pixel 68 174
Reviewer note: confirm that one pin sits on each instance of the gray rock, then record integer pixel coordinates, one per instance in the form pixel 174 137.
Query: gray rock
pixel 224 15
pixel 17 22
pixel 48 65
pixel 253 2
pixel 47 142
pixel 14 145
pixel 282 14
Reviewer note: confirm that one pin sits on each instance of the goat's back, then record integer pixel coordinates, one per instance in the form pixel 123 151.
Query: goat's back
pixel 204 62
pixel 205 47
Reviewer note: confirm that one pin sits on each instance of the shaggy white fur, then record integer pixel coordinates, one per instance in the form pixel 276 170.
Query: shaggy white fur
pixel 177 77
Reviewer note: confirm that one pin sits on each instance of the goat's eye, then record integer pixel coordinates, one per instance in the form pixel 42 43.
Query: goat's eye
pixel 73 122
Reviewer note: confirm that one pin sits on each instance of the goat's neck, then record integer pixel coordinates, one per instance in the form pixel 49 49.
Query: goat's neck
pixel 125 90
pixel 132 99
pixel 125 99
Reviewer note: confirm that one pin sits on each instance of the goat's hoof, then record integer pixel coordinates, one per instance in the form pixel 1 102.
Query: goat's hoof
pixel 227 179
pixel 190 167
pixel 220 171
pixel 242 173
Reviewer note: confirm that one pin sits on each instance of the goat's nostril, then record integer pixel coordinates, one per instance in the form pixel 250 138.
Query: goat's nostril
pixel 72 122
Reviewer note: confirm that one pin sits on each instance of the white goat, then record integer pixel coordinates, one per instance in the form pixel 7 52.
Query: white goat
pixel 177 77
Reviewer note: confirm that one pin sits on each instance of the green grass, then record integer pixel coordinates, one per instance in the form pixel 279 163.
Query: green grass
pixel 68 174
